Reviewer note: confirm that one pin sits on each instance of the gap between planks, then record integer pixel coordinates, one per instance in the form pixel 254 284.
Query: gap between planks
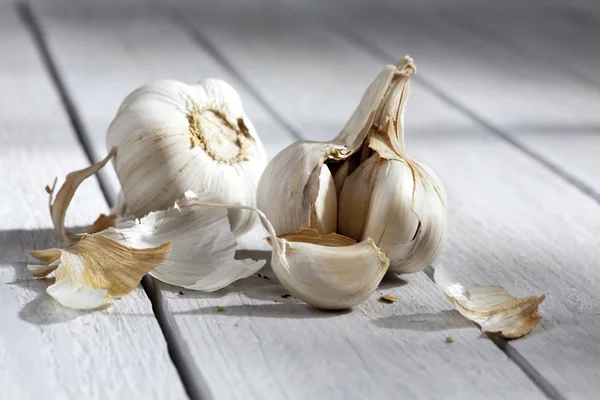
pixel 191 380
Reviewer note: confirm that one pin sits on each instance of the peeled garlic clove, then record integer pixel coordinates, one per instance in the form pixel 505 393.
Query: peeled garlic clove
pixel 491 307
pixel 174 137
pixel 301 194
pixel 96 270
pixel 328 271
pixel 202 244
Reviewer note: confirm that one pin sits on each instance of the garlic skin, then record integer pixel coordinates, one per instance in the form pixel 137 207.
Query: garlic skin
pixel 495 310
pixel 382 193
pixel 172 137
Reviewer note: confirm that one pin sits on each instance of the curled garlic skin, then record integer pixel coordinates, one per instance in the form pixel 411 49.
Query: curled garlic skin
pixel 362 184
pixel 172 137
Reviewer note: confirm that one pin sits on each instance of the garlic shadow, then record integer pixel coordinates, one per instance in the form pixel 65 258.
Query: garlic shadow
pixel 43 309
pixel 391 280
pixel 293 310
pixel 427 322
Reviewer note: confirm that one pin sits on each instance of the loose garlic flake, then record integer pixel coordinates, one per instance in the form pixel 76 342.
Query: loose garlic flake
pixel 96 270
pixel 202 244
pixel 362 184
pixel 58 205
pixel 495 310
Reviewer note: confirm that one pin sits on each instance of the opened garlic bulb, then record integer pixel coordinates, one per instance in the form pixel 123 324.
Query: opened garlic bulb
pixel 172 137
pixel 362 184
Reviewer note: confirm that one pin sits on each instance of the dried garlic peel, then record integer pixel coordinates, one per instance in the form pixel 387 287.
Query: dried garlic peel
pixel 362 184
pixel 96 270
pixel 60 204
pixel 494 309
pixel 202 244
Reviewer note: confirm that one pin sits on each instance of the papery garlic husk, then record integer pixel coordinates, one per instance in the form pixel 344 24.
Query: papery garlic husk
pixel 202 244
pixel 365 178
pixel 96 270
pixel 495 310
pixel 188 245
pixel 172 137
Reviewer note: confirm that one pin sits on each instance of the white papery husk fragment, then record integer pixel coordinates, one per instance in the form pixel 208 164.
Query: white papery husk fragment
pixel 96 270
pixel 495 310
pixel 202 244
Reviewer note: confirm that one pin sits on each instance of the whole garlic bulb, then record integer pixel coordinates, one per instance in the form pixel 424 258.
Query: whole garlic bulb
pixel 172 137
pixel 362 184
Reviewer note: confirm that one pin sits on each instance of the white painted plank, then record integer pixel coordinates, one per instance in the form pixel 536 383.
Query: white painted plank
pixel 514 222
pixel 281 348
pixel 566 38
pixel 47 351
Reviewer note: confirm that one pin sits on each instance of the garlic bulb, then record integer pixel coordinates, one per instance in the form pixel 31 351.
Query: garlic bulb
pixel 362 184
pixel 172 137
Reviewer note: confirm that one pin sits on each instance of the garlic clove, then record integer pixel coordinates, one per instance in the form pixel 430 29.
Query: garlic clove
pixel 203 246
pixel 328 274
pixel 174 137
pixel 406 219
pixel 323 215
pixel 495 310
pixel 82 298
pixel 297 189
pixel 59 204
pixel 355 198
pixel 96 270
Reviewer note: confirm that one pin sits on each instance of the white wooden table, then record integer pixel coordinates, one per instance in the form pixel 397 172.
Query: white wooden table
pixel 505 106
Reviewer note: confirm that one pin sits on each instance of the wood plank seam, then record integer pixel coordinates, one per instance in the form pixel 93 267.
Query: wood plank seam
pixel 192 379
pixel 24 11
pixel 471 27
pixel 373 49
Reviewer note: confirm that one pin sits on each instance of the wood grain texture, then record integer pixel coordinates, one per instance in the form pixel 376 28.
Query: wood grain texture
pixel 512 221
pixel 263 345
pixel 563 39
pixel 46 350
